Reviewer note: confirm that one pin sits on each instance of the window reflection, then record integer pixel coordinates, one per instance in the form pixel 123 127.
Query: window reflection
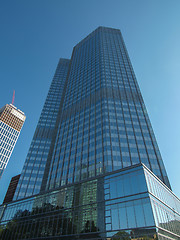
pixel 113 203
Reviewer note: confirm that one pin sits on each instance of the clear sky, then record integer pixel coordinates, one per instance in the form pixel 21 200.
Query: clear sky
pixel 35 34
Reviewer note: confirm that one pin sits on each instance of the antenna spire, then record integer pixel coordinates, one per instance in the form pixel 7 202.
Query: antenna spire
pixel 13 97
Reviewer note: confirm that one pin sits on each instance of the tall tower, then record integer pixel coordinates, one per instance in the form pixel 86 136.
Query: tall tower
pixel 11 122
pixel 93 170
pixel 102 125
pixel 40 148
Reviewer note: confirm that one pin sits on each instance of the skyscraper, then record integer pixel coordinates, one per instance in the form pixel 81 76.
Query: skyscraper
pixel 36 161
pixel 11 122
pixel 93 170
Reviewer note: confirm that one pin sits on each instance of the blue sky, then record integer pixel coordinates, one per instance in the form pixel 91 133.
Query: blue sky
pixel 35 34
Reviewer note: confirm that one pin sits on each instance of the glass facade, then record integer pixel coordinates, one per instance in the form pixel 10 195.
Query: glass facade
pixel 39 151
pixel 104 124
pixel 11 122
pixel 165 205
pixel 93 170
pixel 126 204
